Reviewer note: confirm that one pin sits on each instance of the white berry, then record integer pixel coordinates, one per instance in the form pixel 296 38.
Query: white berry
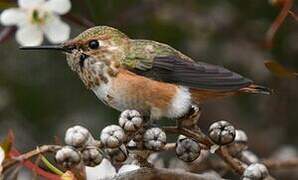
pixel 155 139
pixel 130 120
pixel 78 136
pixel 187 149
pixel 68 157
pixel 112 136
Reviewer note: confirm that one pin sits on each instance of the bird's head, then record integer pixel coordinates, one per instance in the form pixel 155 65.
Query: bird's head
pixel 101 43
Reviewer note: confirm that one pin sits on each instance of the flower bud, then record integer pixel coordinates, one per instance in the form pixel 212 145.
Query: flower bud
pixel 221 132
pixel 78 136
pixel 155 139
pixel 130 120
pixel 68 157
pixel 118 155
pixel 92 156
pixel 112 136
pixel 255 171
pixel 187 149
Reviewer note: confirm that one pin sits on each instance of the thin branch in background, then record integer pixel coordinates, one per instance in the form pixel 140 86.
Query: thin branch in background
pixel 6 33
pixel 293 15
pixel 79 20
pixel 16 157
pixel 28 164
pixel 287 5
pixel 281 164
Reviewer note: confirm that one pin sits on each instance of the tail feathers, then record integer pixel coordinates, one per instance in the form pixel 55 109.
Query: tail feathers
pixel 256 89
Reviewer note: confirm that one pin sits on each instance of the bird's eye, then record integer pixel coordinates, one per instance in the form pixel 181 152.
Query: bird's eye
pixel 93 44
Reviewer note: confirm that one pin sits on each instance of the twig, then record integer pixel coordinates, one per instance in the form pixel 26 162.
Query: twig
pixel 233 162
pixel 199 136
pixel 36 163
pixel 6 33
pixel 169 146
pixel 163 174
pixel 287 5
pixel 30 154
pixel 28 164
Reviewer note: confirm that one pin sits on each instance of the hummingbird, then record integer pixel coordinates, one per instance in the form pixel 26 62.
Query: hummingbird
pixel 150 77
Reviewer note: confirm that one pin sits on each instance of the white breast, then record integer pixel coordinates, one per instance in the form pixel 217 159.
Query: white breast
pixel 180 103
pixel 102 91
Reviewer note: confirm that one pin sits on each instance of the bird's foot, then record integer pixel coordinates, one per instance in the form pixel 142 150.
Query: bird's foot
pixel 190 119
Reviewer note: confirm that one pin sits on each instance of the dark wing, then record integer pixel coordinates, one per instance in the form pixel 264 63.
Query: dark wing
pixel 198 75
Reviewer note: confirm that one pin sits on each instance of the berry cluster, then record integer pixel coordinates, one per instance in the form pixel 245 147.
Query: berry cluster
pixel 132 136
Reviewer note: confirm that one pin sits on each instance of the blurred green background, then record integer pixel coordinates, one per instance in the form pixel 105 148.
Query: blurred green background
pixel 40 96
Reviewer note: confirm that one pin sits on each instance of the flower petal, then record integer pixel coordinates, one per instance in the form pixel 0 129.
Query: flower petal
pixel 29 35
pixel 2 155
pixel 58 6
pixel 128 167
pixel 30 3
pixel 56 30
pixel 13 16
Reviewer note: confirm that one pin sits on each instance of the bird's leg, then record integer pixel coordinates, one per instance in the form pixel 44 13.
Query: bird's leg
pixel 190 119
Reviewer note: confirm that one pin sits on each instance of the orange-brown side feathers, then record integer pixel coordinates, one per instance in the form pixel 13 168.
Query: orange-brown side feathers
pixel 199 96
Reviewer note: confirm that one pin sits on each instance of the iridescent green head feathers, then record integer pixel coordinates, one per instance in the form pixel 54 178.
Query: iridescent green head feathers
pixel 102 32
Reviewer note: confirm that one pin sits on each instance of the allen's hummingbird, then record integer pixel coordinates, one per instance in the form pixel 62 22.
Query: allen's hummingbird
pixel 145 75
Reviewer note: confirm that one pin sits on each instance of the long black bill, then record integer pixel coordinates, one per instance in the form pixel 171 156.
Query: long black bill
pixel 46 47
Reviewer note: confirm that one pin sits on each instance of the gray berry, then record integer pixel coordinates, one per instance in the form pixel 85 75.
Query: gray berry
pixel 92 156
pixel 221 132
pixel 187 149
pixel 112 136
pixel 155 139
pixel 68 157
pixel 130 120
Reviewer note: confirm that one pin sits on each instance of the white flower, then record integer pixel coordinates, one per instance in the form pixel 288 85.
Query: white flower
pixel 2 157
pixel 105 170
pixel 37 17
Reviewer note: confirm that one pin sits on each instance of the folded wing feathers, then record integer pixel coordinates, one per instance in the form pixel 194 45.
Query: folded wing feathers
pixel 197 75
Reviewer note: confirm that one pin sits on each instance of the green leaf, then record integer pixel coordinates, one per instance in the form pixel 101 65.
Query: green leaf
pixel 51 166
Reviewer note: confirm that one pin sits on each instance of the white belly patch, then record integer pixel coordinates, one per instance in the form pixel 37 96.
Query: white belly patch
pixel 102 91
pixel 180 103
pixel 178 106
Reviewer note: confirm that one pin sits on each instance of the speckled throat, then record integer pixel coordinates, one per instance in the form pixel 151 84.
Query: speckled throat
pixel 93 70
